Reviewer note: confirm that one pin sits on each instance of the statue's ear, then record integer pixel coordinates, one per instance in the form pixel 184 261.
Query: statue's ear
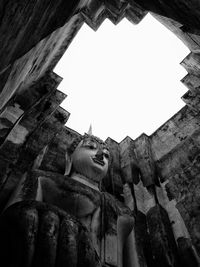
pixel 68 164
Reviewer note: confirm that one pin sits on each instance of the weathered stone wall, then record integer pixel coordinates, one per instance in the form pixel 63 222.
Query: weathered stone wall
pixel 185 12
pixel 24 23
pixel 162 169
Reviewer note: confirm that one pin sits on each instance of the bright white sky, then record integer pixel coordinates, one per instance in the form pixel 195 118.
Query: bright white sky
pixel 124 79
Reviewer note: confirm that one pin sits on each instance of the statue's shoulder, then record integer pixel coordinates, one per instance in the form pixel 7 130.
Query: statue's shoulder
pixel 63 185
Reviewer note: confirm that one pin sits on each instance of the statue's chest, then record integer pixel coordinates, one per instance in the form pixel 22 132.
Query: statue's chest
pixel 90 207
pixel 71 196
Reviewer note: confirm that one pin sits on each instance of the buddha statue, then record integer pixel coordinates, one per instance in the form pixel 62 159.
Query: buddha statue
pixel 65 220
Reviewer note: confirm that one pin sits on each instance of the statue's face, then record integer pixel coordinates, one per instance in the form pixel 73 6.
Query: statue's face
pixel 90 159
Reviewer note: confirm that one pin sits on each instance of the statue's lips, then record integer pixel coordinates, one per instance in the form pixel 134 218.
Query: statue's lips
pixel 100 162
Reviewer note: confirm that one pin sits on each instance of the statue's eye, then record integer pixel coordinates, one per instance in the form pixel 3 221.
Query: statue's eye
pixel 92 145
pixel 106 155
pixel 89 144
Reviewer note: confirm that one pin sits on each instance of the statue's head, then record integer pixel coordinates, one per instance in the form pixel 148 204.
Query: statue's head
pixel 89 156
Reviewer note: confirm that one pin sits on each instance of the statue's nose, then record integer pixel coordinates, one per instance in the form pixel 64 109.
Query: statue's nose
pixel 99 154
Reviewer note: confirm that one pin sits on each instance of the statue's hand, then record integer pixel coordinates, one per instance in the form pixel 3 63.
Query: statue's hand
pixel 34 234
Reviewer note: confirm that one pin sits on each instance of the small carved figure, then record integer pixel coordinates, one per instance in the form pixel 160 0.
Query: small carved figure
pixel 56 220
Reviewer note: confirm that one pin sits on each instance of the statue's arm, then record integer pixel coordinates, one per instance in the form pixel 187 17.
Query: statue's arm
pixel 126 242
pixel 130 252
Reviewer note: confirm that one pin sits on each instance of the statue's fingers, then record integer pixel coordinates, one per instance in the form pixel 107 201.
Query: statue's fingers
pixel 67 243
pixel 46 247
pixel 29 222
pixel 18 235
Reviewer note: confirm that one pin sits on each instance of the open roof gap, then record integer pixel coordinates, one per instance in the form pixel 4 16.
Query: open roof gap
pixel 123 79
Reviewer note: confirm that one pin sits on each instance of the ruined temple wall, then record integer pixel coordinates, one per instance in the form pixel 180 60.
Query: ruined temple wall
pixel 30 113
pixel 163 172
pixel 34 35
pixel 24 23
pixel 186 13
pixel 177 132
pixel 163 168
pixel 176 148
pixel 176 151
pixel 40 59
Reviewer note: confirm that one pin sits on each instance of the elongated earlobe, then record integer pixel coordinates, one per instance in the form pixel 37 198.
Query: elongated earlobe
pixel 68 165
